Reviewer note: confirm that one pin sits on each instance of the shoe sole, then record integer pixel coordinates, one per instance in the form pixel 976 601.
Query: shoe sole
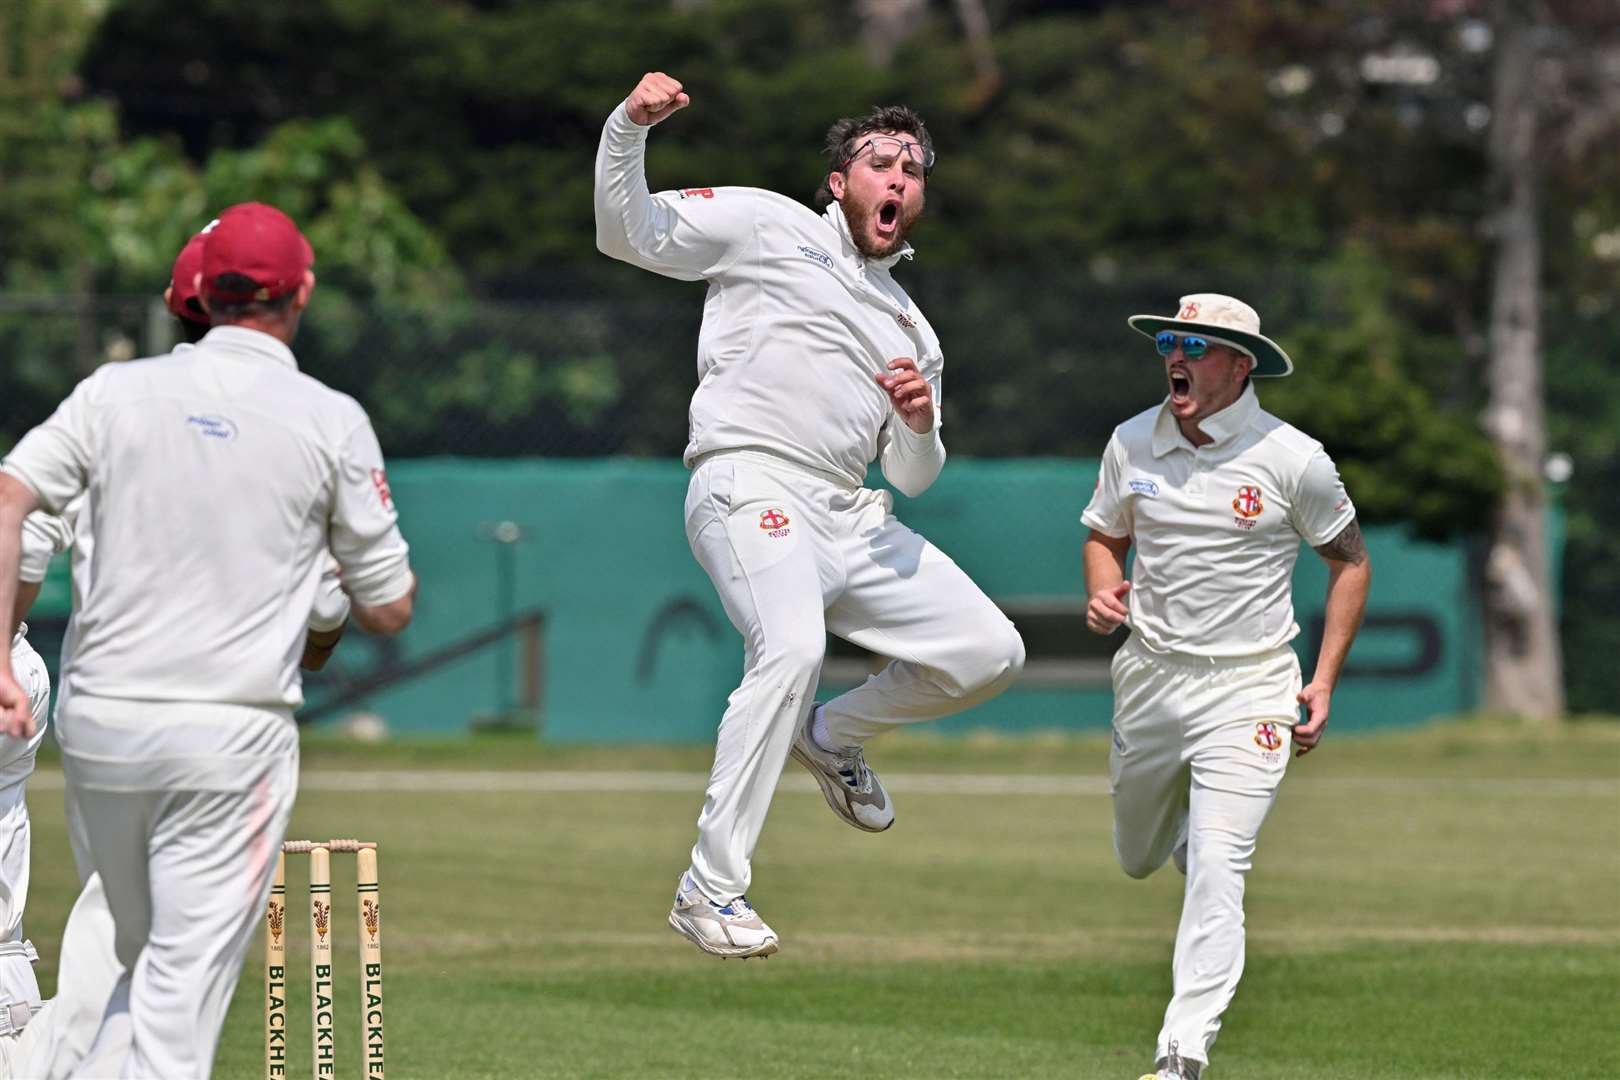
pixel 684 927
pixel 835 794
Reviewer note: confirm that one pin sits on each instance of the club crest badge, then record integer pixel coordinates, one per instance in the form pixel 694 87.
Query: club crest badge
pixel 1266 736
pixel 774 523
pixel 1248 505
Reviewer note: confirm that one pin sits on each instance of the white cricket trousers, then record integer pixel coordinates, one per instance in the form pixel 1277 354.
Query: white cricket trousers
pixel 1199 748
pixel 182 807
pixel 794 554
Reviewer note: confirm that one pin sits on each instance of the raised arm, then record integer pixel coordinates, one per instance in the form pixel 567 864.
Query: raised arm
pixel 690 234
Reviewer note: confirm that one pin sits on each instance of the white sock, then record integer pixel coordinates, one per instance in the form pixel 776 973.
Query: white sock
pixel 818 730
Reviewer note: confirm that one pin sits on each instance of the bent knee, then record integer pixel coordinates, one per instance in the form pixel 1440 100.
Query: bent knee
pixel 995 663
pixel 1137 864
pixel 795 655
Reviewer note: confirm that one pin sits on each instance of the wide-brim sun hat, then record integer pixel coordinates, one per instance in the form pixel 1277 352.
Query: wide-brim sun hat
pixel 1223 320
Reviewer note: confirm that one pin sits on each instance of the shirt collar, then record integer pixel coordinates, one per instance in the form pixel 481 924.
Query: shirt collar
pixel 835 217
pixel 1222 427
pixel 248 344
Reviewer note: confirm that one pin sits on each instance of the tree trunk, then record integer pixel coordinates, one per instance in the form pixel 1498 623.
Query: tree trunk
pixel 1523 666
pixel 886 24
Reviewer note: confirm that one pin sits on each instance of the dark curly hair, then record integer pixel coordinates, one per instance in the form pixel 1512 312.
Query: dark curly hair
pixel 845 134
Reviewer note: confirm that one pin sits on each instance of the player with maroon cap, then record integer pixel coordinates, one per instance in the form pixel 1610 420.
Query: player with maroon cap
pixel 227 477
pixel 181 294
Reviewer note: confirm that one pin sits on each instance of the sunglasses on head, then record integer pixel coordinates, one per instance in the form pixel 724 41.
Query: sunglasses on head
pixel 886 148
pixel 1191 347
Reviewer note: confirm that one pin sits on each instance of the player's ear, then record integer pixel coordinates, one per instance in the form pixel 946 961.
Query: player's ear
pixel 305 290
pixel 196 287
pixel 836 183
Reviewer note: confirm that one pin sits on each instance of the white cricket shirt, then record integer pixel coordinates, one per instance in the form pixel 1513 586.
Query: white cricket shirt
pixel 218 477
pixel 1216 528
pixel 796 324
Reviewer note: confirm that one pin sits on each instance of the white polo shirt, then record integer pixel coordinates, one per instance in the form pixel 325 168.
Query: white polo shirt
pixel 796 324
pixel 1216 528
pixel 44 536
pixel 218 478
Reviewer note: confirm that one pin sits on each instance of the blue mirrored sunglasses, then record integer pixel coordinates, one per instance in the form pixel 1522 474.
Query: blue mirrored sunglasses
pixel 1191 347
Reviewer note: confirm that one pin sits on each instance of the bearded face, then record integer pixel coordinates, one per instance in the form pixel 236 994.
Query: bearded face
pixel 882 192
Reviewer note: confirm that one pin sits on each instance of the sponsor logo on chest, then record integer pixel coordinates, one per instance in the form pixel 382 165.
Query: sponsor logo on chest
pixel 816 255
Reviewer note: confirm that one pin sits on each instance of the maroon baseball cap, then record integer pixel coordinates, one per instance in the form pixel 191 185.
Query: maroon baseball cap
pixel 183 281
pixel 260 243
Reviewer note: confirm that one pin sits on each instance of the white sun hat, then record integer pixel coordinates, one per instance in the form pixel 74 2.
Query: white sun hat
pixel 1225 321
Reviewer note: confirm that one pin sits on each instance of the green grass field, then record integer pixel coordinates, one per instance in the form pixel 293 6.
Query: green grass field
pixel 1444 903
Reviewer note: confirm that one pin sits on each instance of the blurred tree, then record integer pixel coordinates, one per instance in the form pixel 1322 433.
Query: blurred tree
pixel 1325 160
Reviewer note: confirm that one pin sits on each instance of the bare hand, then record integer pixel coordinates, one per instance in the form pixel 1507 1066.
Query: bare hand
pixel 16 711
pixel 1316 699
pixel 655 97
pixel 913 398
pixel 1107 611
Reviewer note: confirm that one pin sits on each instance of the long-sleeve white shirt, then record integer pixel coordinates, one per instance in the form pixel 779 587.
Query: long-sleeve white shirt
pixel 218 479
pixel 796 324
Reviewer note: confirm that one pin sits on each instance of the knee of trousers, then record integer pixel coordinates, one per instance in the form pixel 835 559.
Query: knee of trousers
pixel 794 657
pixel 993 663
pixel 1137 864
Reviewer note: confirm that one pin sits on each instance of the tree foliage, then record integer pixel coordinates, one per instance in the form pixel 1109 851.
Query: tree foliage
pixel 1324 160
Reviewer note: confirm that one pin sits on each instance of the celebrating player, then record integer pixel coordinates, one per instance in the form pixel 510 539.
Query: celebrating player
pixel 1215 495
pixel 219 476
pixel 812 362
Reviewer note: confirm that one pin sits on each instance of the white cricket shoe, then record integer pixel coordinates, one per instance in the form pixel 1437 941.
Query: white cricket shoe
pixel 730 929
pixel 852 790
pixel 1174 1067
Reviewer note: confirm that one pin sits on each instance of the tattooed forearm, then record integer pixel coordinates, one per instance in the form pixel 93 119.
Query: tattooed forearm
pixel 1347 547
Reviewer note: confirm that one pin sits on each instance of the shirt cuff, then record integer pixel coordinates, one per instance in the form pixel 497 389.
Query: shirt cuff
pixel 1092 521
pixel 624 132
pixel 379 589
pixel 911 444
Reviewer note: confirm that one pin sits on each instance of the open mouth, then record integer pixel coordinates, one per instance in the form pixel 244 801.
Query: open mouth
pixel 888 218
pixel 1180 387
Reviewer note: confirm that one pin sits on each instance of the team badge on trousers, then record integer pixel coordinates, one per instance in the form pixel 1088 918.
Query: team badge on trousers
pixel 775 523
pixel 1266 736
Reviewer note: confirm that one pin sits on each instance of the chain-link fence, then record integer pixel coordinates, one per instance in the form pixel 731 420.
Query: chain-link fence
pixel 1037 364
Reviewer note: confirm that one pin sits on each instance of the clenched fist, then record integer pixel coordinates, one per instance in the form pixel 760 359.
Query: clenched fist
pixel 912 396
pixel 655 97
